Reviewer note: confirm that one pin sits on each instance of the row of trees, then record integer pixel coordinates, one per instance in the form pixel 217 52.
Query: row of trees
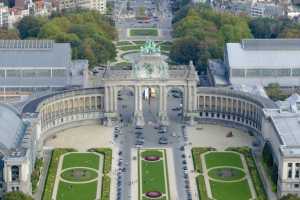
pixel 89 33
pixel 201 32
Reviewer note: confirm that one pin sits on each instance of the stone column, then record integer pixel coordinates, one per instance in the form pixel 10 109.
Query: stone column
pixel 138 111
pixel 163 115
pixel 109 112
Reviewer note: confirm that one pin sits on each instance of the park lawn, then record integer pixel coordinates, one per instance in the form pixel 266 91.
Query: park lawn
pixel 201 188
pixel 68 175
pixel 144 32
pixel 230 190
pixel 152 153
pixel 153 176
pixel 238 174
pixel 81 160
pixel 129 47
pixel 123 43
pixel 216 159
pixel 67 191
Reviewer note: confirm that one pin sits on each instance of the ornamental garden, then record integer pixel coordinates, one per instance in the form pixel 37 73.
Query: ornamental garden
pixel 224 173
pixel 70 173
pixel 153 175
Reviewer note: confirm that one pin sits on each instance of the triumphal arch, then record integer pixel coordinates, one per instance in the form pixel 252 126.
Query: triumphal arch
pixel 150 70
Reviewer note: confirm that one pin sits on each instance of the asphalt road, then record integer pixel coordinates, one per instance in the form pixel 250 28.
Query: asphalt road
pixel 126 141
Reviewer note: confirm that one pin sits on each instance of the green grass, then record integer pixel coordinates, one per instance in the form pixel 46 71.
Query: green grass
pixel 153 176
pixel 256 179
pixel 196 153
pixel 216 159
pixel 201 188
pixel 50 179
pixel 130 47
pixel 123 43
pixel 144 32
pixel 107 152
pixel 81 160
pixel 237 174
pixel 68 191
pixel 89 175
pixel 153 173
pixel 35 176
pixel 230 191
pixel 152 153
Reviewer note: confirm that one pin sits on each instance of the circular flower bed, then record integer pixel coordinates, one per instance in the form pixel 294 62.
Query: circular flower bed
pixel 152 158
pixel 153 194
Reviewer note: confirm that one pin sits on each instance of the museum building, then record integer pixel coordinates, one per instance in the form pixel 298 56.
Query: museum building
pixel 270 122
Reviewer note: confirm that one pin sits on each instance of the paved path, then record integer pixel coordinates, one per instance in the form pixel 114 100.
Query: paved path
pixel 250 183
pixel 42 181
pixel 205 175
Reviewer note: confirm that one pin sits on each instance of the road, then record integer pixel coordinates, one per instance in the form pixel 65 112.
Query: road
pixel 160 17
pixel 126 142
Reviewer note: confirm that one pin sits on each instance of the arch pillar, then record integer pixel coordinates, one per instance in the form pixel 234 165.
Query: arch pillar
pixel 163 115
pixel 138 107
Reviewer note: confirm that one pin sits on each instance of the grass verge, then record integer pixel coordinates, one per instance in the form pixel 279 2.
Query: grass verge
pixel 50 179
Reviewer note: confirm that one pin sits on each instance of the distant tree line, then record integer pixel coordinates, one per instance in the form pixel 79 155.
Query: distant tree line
pixel 89 33
pixel 201 33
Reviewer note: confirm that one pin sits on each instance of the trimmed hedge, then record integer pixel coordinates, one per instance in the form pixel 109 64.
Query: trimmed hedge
pixel 258 185
pixel 201 188
pixel 36 173
pixel 50 179
pixel 196 153
pixel 107 152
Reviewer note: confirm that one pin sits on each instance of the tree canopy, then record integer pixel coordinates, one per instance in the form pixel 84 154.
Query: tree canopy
pixel 89 33
pixel 16 196
pixel 210 30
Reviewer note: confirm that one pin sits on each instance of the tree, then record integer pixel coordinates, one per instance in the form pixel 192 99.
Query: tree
pixel 265 27
pixel 30 26
pixel 290 197
pixel 209 30
pixel 189 49
pixel 16 196
pixel 275 93
pixel 292 32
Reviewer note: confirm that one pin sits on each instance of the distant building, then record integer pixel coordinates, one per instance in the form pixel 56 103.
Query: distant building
pixel 266 10
pixel 38 65
pixel 263 61
pixel 4 15
pixel 98 5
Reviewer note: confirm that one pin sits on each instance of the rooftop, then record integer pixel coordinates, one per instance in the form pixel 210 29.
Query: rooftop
pixel 271 44
pixel 34 54
pixel 288 126
pixel 264 53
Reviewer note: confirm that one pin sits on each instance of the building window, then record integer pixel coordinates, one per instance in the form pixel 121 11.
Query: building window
pixel 15 173
pixel 290 164
pixel 296 185
pixel 297 173
pixel 290 173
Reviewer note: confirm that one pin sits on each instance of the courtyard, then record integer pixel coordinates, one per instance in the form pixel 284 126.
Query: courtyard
pixel 82 138
pixel 219 137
